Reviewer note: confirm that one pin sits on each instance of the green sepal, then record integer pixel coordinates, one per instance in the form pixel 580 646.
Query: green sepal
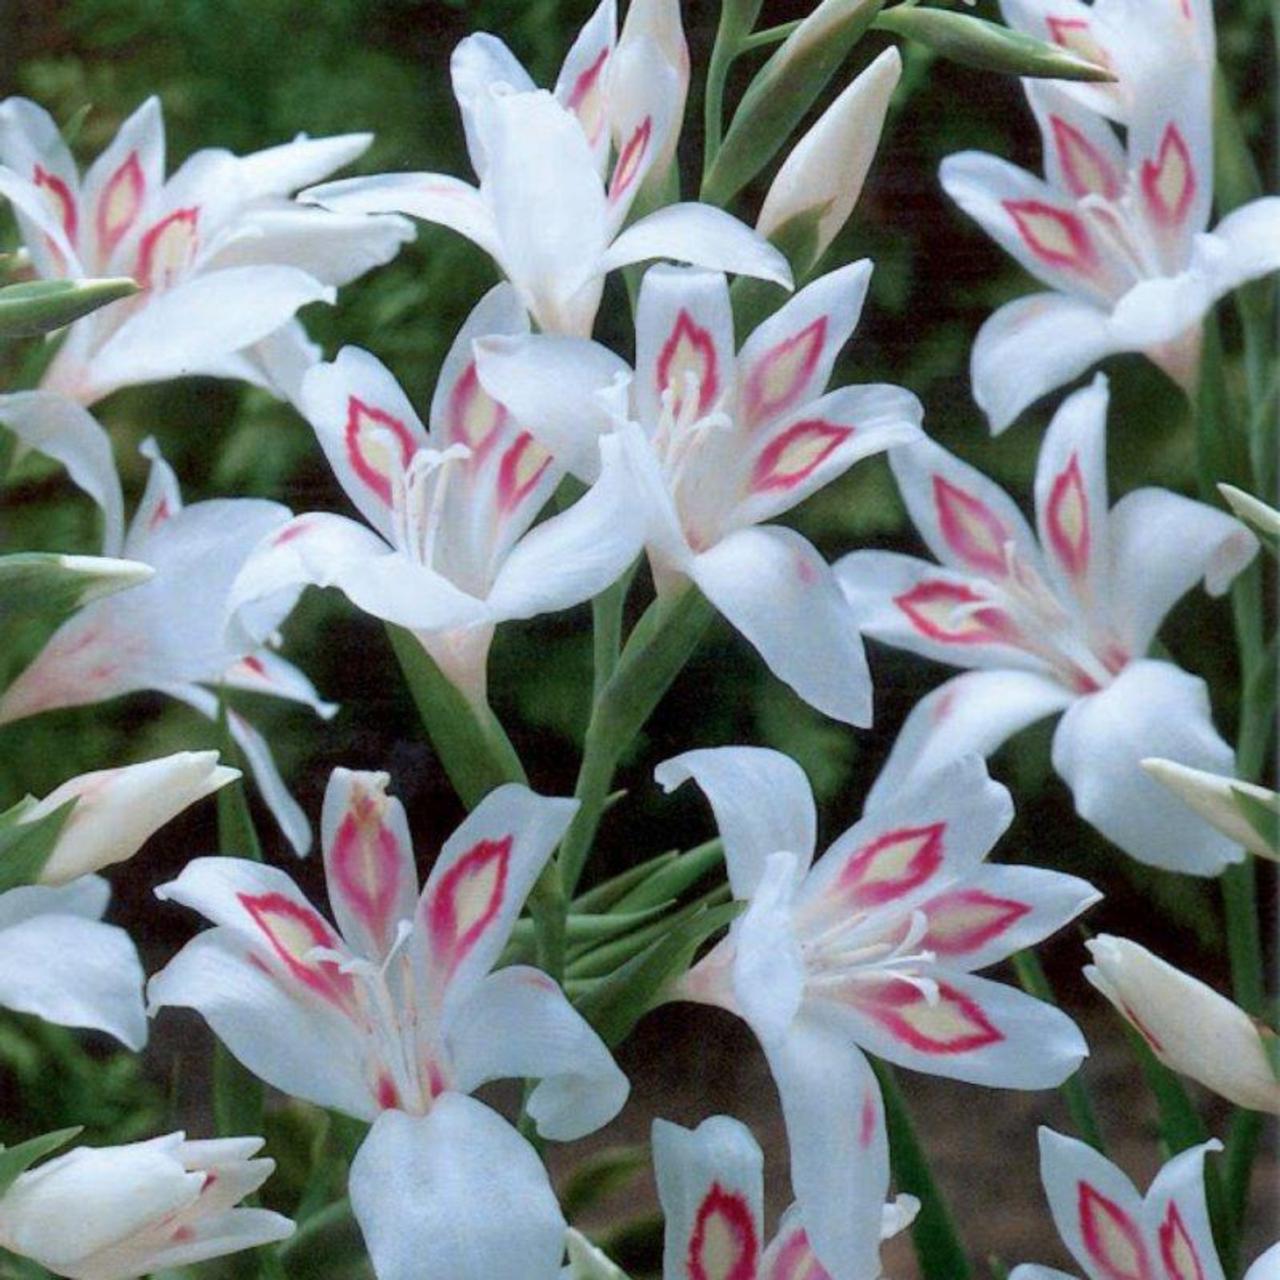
pixel 46 584
pixel 40 306
pixel 673 878
pixel 783 91
pixel 616 1003
pixel 1262 815
pixel 17 1160
pixel 987 46
pixel 754 301
pixel 25 847
pixel 605 895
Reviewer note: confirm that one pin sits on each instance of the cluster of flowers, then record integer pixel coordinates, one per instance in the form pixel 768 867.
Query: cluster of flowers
pixel 397 1013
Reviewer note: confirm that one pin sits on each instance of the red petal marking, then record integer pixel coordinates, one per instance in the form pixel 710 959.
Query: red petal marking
pixel 467 901
pixel 59 198
pixel 368 456
pixel 1086 169
pixel 1068 519
pixel 892 864
pixel 387 1093
pixel 631 160
pixel 689 348
pixel 1113 1239
pixel 1053 235
pixel 966 919
pixel 955 1024
pixel 723 1245
pixel 796 453
pixel 436 1083
pixel 586 100
pixel 867 1119
pixel 1141 1027
pixel 119 205
pixel 294 529
pixel 522 466
pixel 472 416
pixel 779 378
pixel 367 861
pixel 254 665
pixel 931 608
pixel 160 514
pixel 292 930
pixel 973 531
pixel 1177 1250
pixel 795 1260
pixel 1075 34
pixel 168 248
pixel 1169 182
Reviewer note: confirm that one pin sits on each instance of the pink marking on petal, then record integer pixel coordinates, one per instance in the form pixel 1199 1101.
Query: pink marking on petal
pixel 59 197
pixel 1177 1250
pixel 966 919
pixel 472 416
pixel 168 249
pixel 931 607
pixel 1068 519
pixel 119 205
pixel 254 665
pixel 586 99
pixel 796 454
pixel 1055 236
pixel 294 529
pixel 387 1093
pixel 689 349
pixel 723 1244
pixel 467 901
pixel 368 460
pixel 892 864
pixel 973 531
pixel 954 1024
pixel 867 1120
pixel 160 514
pixel 779 378
pixel 1141 1027
pixel 292 930
pixel 1086 169
pixel 1076 35
pixel 630 160
pixel 436 1082
pixel 522 466
pixel 1169 182
pixel 366 862
pixel 796 1260
pixel 1113 1239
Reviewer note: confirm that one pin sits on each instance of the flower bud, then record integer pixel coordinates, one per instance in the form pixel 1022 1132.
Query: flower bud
pixel 47 584
pixel 824 173
pixel 649 75
pixel 40 306
pixel 111 1213
pixel 117 810
pixel 1189 1026
pixel 1248 814
pixel 1263 519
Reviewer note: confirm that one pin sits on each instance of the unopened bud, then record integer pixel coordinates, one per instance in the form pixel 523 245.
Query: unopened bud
pixel 1245 813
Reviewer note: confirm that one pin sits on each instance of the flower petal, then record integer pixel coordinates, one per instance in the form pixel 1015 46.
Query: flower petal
pixel 1032 346
pixel 480 881
pixel 428 1190
pixel 279 170
pixel 711 1188
pixel 518 1023
pixel 1082 155
pixel 1252 236
pixel 43 223
pixel 1151 709
pixel 70 970
pixel 773 586
pixel 580 85
pixel 1162 544
pixel 768 963
pixel 1177 1217
pixel 480 66
pixel 836 1136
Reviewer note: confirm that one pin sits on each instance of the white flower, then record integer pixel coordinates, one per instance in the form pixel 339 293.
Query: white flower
pixel 1058 623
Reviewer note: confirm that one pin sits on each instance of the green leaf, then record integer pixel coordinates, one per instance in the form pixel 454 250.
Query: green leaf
pixel 603 896
pixel 783 91
pixel 16 1160
pixel 40 306
pixel 616 1003
pixel 988 46
pixel 25 847
pixel 1262 815
pixel 673 878
pixel 45 584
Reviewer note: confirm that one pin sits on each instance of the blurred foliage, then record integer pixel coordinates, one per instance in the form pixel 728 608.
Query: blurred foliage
pixel 246 74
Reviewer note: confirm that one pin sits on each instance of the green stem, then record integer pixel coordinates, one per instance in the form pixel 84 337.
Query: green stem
pixel 663 641
pixel 1241 1148
pixel 1075 1093
pixel 938 1247
pixel 723 52
pixel 606 632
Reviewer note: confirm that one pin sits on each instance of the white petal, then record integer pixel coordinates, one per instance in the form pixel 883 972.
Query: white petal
pixel 51 251
pixel 478 65
pixel 762 804
pixel 1266 1266
pixel 457 1193
pixel 1162 544
pixel 1176 1212
pixel 201 319
pixel 1151 709
pixel 125 180
pixel 711 1188
pixel 772 585
pixel 768 964
pixel 62 430
pixel 518 1023
pixel 1252 236
pixel 839 1149
pixel 580 84
pixel 702 235
pixel 278 170
pixel 72 971
pixel 216 1235
pixel 975 712
pixel 87 898
pixel 267 672
pixel 1032 346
